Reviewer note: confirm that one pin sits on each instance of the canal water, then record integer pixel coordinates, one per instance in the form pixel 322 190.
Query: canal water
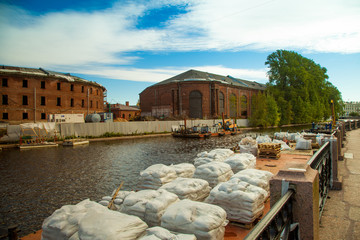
pixel 34 183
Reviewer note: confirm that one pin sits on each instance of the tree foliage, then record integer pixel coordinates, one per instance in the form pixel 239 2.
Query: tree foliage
pixel 264 111
pixel 300 88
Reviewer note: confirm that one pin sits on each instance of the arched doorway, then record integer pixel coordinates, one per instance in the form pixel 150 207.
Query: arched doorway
pixel 233 105
pixel 195 104
pixel 221 103
pixel 243 106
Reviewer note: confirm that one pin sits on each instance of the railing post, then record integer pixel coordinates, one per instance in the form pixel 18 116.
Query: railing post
pixel 306 199
pixel 335 182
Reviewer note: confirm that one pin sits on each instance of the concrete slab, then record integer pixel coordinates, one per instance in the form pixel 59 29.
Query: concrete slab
pixel 354 213
pixel 351 195
pixel 353 166
pixel 352 181
pixel 326 232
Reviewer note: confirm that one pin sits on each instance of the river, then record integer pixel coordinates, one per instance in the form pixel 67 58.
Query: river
pixel 34 183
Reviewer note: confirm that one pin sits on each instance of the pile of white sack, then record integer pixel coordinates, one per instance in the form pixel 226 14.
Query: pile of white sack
pixel 185 170
pixel 189 188
pixel 156 175
pixel 248 145
pixel 303 144
pixel 259 178
pixel 219 154
pixel 263 139
pixel 90 220
pixel 159 233
pixel 117 201
pixel 242 201
pixel 205 221
pixel 148 205
pixel 284 146
pixel 214 172
pixel 241 161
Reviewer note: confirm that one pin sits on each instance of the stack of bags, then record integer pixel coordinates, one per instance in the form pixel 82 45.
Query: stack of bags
pixel 263 139
pixel 148 205
pixel 284 146
pixel 189 188
pixel 214 172
pixel 241 161
pixel 205 221
pixel 159 233
pixel 259 178
pixel 156 175
pixel 185 170
pixel 303 144
pixel 248 145
pixel 117 201
pixel 218 154
pixel 90 220
pixel 242 201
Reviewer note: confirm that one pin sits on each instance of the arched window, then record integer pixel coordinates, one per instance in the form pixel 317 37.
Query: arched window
pixel 243 106
pixel 221 103
pixel 195 104
pixel 123 115
pixel 233 105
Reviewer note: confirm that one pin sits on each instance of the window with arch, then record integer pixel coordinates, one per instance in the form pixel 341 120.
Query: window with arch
pixel 233 105
pixel 221 103
pixel 243 105
pixel 195 104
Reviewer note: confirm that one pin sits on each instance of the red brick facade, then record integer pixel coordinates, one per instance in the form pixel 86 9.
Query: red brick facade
pixel 20 88
pixel 123 111
pixel 173 99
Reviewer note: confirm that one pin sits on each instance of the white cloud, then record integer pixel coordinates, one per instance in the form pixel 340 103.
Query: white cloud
pixel 92 40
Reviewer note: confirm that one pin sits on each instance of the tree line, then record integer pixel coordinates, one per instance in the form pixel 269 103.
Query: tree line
pixel 298 91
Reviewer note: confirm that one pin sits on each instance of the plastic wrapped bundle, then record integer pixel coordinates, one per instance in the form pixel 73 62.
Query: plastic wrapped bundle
pixel 156 175
pixel 214 172
pixel 259 178
pixel 90 220
pixel 281 135
pixel 149 205
pixel 159 233
pixel 219 154
pixel 284 146
pixel 189 188
pixel 242 201
pixel 241 161
pixel 205 221
pixel 110 225
pixel 263 139
pixel 248 145
pixel 202 160
pixel 303 144
pixel 293 136
pixel 185 170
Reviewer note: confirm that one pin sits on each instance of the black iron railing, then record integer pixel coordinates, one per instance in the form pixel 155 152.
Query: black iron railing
pixel 276 222
pixel 321 161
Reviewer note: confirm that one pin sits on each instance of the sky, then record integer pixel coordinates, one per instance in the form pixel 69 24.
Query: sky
pixel 129 45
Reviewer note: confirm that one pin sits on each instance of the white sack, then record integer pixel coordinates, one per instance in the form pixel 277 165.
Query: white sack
pixel 259 178
pixel 159 233
pixel 214 172
pixel 185 170
pixel 156 175
pixel 303 144
pixel 241 161
pixel 263 139
pixel 284 146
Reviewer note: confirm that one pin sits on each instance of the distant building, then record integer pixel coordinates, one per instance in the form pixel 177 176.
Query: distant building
pixel 29 94
pixel 351 107
pixel 196 94
pixel 124 111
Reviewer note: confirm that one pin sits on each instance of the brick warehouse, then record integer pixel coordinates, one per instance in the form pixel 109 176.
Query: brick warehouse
pixel 53 92
pixel 196 94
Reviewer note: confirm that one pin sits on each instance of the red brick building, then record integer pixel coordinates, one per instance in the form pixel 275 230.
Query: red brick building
pixel 30 94
pixel 196 94
pixel 124 111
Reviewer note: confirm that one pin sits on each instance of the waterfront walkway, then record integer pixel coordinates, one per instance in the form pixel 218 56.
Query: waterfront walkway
pixel 341 216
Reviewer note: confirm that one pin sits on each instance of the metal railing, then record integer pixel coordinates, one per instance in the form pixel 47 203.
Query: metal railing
pixel 321 161
pixel 276 223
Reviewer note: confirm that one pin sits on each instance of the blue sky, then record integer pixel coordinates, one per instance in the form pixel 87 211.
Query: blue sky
pixel 129 45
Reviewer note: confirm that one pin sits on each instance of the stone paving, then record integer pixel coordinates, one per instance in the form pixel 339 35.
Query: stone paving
pixel 341 215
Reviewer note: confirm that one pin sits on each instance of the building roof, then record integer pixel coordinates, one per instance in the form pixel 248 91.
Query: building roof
pixel 45 73
pixel 194 75
pixel 123 107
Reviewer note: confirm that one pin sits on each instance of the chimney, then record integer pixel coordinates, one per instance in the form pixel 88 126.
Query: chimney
pixel 127 103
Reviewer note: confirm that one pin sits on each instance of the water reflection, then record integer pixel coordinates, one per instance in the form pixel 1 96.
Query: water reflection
pixel 34 183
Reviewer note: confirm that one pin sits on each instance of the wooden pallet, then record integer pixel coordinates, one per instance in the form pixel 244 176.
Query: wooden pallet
pixel 246 225
pixel 269 155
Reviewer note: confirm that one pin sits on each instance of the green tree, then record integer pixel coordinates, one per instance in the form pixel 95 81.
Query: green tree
pixel 300 88
pixel 354 114
pixel 264 111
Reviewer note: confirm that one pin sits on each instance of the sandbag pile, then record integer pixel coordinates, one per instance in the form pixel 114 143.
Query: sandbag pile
pixel 242 201
pixel 248 145
pixel 219 154
pixel 263 139
pixel 159 233
pixel 90 220
pixel 185 170
pixel 117 201
pixel 241 161
pixel 214 172
pixel 156 175
pixel 259 178
pixel 148 205
pixel 205 221
pixel 189 188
